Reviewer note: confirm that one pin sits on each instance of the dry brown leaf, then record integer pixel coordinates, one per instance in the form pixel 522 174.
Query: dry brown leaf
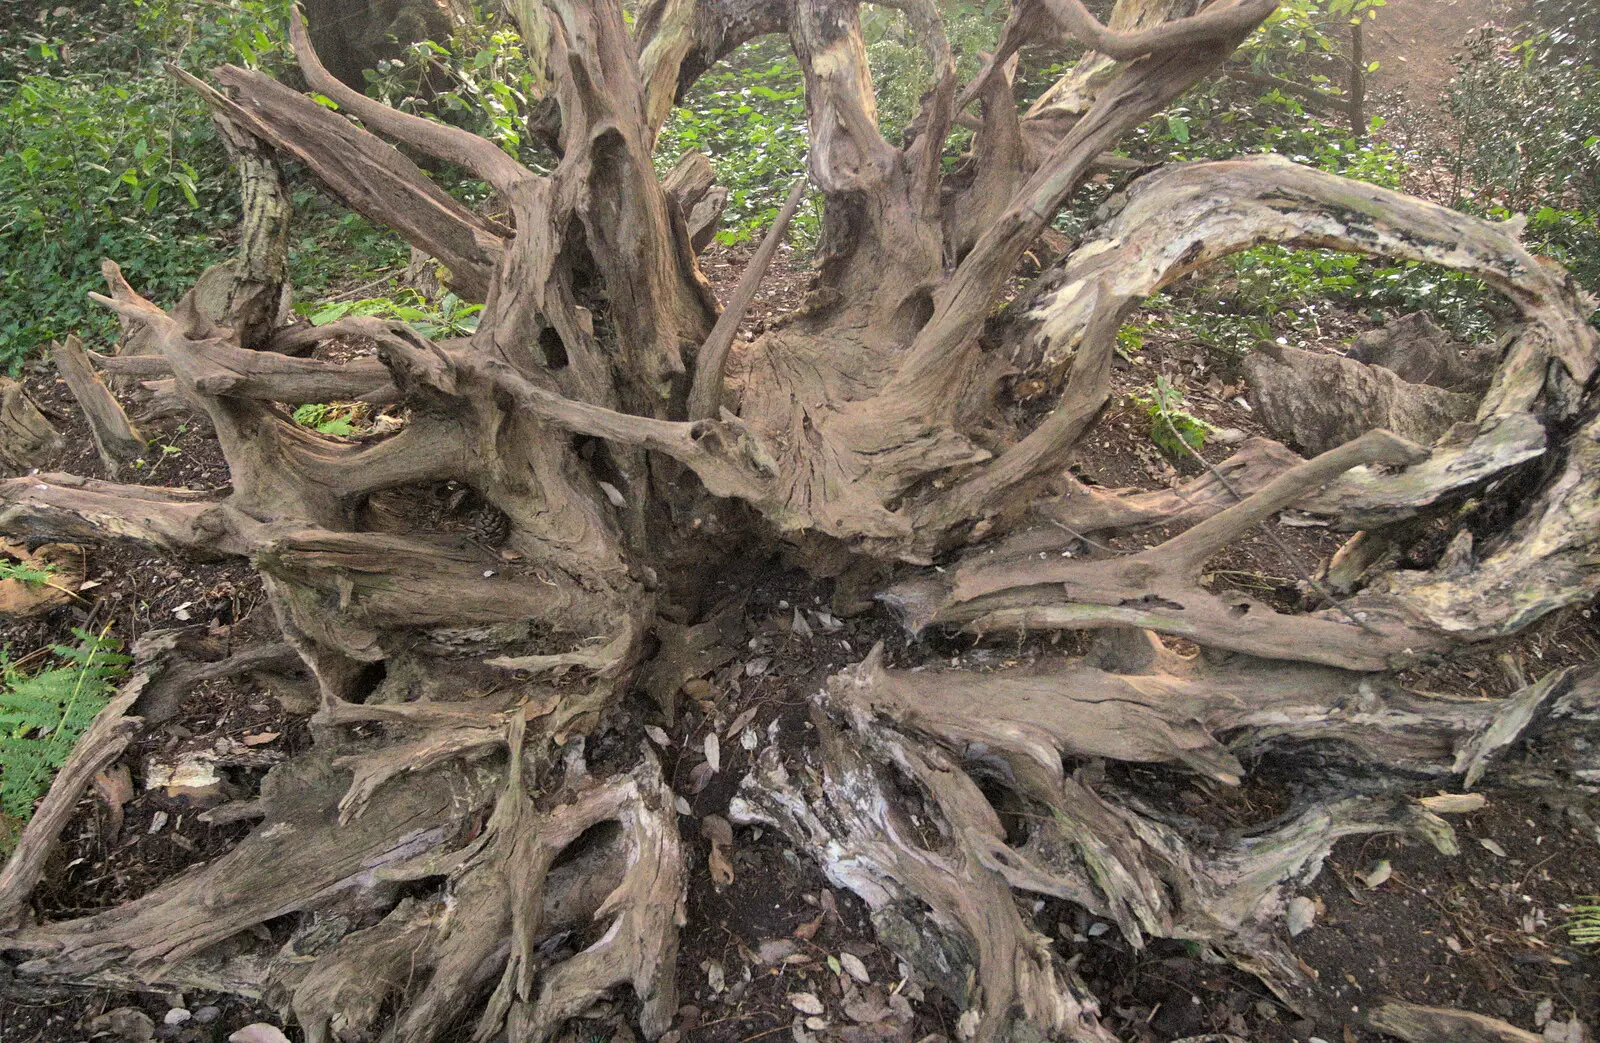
pixel 114 787
pixel 805 1002
pixel 716 829
pixel 740 723
pixel 721 868
pixel 1454 803
pixel 259 738
pixel 713 752
pixel 1378 874
pixel 533 709
pixel 260 1032
pixel 808 930
pixel 699 776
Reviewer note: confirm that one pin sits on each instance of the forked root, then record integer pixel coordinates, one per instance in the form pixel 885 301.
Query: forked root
pixel 897 808
pixel 497 915
pixel 505 916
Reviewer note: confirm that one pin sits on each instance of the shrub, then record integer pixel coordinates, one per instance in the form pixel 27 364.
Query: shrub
pixel 43 714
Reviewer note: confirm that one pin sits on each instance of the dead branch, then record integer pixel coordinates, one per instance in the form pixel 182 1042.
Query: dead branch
pixel 1415 1023
pixel 115 438
pixel 450 144
pixel 713 355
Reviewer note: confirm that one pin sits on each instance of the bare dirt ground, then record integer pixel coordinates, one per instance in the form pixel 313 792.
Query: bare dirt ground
pixel 1480 931
pixel 1413 41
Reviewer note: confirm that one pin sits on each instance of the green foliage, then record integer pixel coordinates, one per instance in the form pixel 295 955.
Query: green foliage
pixel 106 156
pixel 1173 429
pixel 749 114
pixel 43 714
pixel 1585 926
pixel 1570 27
pixel 449 317
pixel 900 71
pixel 329 418
pixel 1528 126
pixel 749 117
pixel 35 572
pixel 481 79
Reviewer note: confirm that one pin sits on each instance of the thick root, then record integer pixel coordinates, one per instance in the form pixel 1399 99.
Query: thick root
pixel 897 807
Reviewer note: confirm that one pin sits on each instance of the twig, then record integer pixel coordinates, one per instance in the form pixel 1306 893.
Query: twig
pixel 707 389
pixel 1078 535
pixel 1294 560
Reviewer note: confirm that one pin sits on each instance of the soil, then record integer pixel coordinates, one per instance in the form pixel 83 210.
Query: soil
pixel 1481 930
pixel 1413 42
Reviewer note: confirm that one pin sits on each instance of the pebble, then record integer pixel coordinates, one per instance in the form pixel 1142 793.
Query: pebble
pixel 176 1016
pixel 206 1015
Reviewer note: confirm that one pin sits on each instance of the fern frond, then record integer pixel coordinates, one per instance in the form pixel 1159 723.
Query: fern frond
pixel 43 714
pixel 1585 926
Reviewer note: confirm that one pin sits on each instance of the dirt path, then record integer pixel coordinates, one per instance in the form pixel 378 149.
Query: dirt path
pixel 1413 41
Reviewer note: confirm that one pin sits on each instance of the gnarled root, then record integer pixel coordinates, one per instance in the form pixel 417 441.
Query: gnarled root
pixel 897 806
pixel 508 906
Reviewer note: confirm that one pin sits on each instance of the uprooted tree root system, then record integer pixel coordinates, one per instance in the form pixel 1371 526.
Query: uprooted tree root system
pixel 475 793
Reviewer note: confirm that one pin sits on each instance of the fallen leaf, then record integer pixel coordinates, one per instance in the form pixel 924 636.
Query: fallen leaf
pixel 259 738
pixel 1454 803
pixel 682 806
pixel 741 722
pixel 808 930
pixel 613 494
pixel 721 868
pixel 757 666
pixel 865 1006
pixel 854 967
pixel 534 709
pixel 1302 914
pixel 658 735
pixel 713 752
pixel 699 777
pixel 716 976
pixel 1379 873
pixel 130 1023
pixel 1492 847
pixel 805 1002
pixel 799 625
pixel 114 787
pixel 64 564
pixel 775 950
pixel 260 1032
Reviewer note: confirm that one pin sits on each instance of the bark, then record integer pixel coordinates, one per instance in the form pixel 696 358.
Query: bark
pixel 447 857
pixel 1316 402
pixel 115 439
pixel 27 437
